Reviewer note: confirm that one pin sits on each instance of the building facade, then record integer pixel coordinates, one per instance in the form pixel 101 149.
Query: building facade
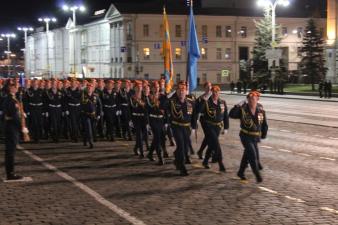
pixel 128 45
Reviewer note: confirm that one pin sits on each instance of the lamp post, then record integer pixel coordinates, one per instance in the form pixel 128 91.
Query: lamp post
pixel 47 20
pixel 25 30
pixel 268 4
pixel 74 9
pixel 8 36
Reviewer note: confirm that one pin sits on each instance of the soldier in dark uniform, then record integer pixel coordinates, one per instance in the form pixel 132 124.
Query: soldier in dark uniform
pixel 232 87
pixel 35 106
pixel 55 100
pixel 118 126
pixel 199 103
pixel 73 102
pixel 124 100
pixel 156 120
pixel 12 127
pixel 65 124
pixel 254 127
pixel 45 113
pixel 320 89
pixel 182 119
pixel 91 113
pixel 164 100
pixel 145 97
pixel 109 106
pixel 100 123
pixel 215 119
pixel 139 117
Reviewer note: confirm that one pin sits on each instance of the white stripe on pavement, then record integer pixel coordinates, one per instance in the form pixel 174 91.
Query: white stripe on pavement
pixel 99 198
pixel 304 154
pixel 294 199
pixel 328 158
pixel 265 146
pixel 286 131
pixel 329 210
pixel 318 135
pixel 333 138
pixel 268 190
pixel 284 150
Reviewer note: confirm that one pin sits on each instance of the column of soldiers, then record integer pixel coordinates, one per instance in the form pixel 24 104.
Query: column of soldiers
pixel 107 109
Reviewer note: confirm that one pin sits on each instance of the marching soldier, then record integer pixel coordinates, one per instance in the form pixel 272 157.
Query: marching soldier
pixel 254 127
pixel 199 103
pixel 55 99
pixel 45 113
pixel 73 100
pixel 124 106
pixel 182 119
pixel 63 86
pixel 117 121
pixel 157 123
pixel 91 113
pixel 109 106
pixel 35 106
pixel 139 118
pixel 99 92
pixel 215 118
pixel 12 125
pixel 164 100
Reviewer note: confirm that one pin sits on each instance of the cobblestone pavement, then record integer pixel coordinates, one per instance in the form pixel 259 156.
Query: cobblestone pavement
pixel 111 186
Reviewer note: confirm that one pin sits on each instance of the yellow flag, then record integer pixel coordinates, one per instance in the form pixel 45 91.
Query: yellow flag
pixel 167 54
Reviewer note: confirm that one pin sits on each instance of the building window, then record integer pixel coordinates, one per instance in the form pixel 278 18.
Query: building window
pixel 284 31
pixel 227 53
pixel 204 52
pixel 219 78
pixel 129 28
pixel 121 59
pixel 146 53
pixel 218 31
pixel 178 53
pixel 243 32
pixel 228 31
pixel 146 76
pixel 204 31
pixel 299 32
pixel 204 78
pixel 218 53
pixel 178 31
pixel 145 30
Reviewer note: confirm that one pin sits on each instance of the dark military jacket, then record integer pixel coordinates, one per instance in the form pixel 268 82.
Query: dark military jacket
pixel 182 113
pixel 255 126
pixel 215 114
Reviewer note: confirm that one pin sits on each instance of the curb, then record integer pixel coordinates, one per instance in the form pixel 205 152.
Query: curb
pixel 286 97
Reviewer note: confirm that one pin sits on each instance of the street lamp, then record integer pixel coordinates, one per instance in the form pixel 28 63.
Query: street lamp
pixel 25 30
pixel 73 9
pixel 272 5
pixel 47 20
pixel 8 52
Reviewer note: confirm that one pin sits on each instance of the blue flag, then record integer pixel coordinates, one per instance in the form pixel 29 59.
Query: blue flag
pixel 193 53
pixel 22 80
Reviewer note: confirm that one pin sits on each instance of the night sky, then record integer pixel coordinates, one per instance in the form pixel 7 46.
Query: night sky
pixel 16 13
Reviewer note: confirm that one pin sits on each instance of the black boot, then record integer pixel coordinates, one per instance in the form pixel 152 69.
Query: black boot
pixel 91 145
pixel 206 164
pixel 241 176
pixel 222 168
pixel 150 156
pixel 13 176
pixel 200 154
